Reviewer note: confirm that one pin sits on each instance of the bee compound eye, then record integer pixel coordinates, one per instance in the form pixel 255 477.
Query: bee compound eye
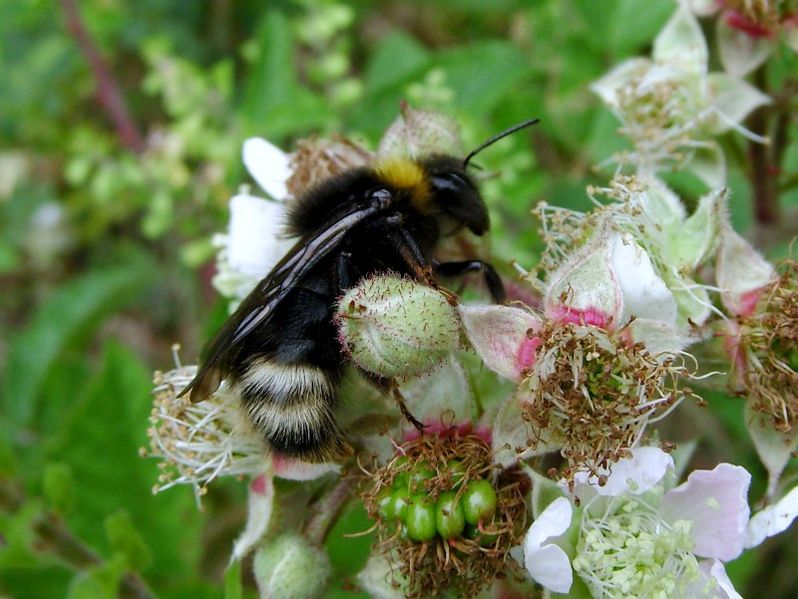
pixel 380 198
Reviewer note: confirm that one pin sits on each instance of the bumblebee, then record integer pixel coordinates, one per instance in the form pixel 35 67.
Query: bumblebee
pixel 280 349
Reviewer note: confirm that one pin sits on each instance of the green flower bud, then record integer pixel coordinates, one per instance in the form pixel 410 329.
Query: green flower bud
pixel 282 568
pixel 479 501
pixel 420 519
pixel 397 328
pixel 449 518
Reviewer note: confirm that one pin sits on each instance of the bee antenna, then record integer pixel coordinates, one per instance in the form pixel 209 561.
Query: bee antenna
pixel 497 137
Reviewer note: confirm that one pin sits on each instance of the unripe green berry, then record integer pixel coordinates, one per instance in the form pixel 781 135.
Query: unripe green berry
pixel 420 519
pixel 484 539
pixel 449 516
pixel 385 505
pixel 401 480
pixel 420 473
pixel 400 498
pixel 479 501
pixel 458 471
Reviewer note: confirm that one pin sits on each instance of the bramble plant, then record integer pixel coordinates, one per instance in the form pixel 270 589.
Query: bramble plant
pixel 603 340
pixel 624 425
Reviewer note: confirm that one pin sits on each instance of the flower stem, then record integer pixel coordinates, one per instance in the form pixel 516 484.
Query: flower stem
pixel 763 178
pixel 325 510
pixel 108 93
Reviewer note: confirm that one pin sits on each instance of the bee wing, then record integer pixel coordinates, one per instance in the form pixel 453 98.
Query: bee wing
pixel 259 305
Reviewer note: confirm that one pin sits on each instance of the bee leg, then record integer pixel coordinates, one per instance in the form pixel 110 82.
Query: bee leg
pixel 415 258
pixel 411 252
pixel 387 385
pixel 397 395
pixel 492 280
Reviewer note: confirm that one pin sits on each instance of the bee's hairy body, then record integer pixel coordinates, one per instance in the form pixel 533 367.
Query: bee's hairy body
pixel 280 350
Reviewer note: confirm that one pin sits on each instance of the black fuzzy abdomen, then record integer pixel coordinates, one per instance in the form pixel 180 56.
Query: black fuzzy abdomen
pixel 288 383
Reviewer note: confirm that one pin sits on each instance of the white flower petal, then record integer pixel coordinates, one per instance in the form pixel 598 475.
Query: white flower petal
pixel 772 520
pixel 608 86
pixel 740 52
pixel 268 165
pixel 548 564
pixel 259 513
pixel 734 99
pixel 716 503
pixel 254 242
pixel 636 474
pixel 644 292
pixel 503 337
pixel 681 42
pixel 740 271
pixel 714 569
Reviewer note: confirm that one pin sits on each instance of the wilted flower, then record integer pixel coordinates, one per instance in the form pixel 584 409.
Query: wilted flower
pixel 769 340
pixel 648 216
pixel 748 30
pixel 671 106
pixel 625 534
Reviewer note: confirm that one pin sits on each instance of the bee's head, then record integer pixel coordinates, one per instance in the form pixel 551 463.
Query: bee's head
pixel 454 193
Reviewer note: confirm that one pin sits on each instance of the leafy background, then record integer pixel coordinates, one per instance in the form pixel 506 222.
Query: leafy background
pixel 105 254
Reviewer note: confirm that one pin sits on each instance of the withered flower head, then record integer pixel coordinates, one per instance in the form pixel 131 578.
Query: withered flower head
pixel 770 335
pixel 594 393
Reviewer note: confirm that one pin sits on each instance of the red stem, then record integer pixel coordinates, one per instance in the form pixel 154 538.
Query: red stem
pixel 108 93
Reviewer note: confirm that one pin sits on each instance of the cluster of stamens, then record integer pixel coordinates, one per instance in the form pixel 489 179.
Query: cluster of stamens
pixel 199 442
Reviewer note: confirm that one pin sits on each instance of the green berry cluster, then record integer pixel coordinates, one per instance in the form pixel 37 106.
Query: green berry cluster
pixel 456 512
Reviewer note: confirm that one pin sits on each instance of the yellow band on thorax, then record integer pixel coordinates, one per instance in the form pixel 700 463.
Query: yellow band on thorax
pixel 403 173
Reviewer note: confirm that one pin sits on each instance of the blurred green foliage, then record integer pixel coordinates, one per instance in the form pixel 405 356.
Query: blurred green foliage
pixel 104 245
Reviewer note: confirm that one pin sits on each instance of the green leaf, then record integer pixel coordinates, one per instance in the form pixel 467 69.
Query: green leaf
pixel 125 539
pixel 65 320
pixel 97 582
pixel 397 58
pixel 482 74
pixel 59 487
pixel 101 440
pixel 232 581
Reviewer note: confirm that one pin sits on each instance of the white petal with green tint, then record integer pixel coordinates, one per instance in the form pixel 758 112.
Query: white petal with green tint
pixel 733 100
pixel 681 42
